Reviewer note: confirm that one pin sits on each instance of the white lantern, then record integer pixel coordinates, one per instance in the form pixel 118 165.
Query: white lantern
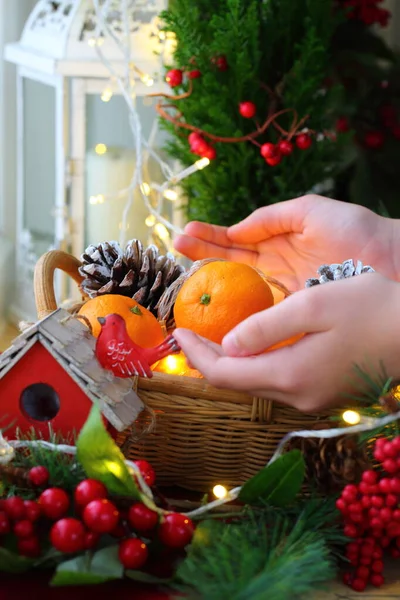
pixel 74 142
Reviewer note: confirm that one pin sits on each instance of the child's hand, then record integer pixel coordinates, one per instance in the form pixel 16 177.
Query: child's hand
pixel 355 321
pixel 290 240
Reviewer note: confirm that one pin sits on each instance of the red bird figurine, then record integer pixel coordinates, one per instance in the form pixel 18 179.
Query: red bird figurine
pixel 116 352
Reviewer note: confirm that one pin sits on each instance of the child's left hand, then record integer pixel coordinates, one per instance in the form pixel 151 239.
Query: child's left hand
pixel 350 322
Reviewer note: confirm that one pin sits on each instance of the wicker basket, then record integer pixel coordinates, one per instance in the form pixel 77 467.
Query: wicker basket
pixel 202 435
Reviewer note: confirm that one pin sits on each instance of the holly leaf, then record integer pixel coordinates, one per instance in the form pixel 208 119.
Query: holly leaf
pixel 101 458
pixel 277 484
pixel 88 569
pixel 10 562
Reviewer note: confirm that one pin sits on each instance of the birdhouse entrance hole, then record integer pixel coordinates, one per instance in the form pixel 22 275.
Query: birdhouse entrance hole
pixel 39 402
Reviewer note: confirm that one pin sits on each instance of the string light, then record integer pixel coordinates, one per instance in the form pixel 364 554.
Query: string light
pixel 145 188
pixel 147 80
pixel 99 199
pixel 100 149
pixel 170 195
pixel 107 94
pixel 161 231
pixel 202 163
pixel 351 417
pixel 220 491
pixel 150 221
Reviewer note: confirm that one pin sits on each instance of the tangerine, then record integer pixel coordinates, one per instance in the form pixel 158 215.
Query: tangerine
pixel 141 325
pixel 219 296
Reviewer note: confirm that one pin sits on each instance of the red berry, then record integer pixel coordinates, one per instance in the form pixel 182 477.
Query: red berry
pixel 101 516
pixel 39 476
pixel 367 550
pixel 385 541
pixel 377 580
pixel 133 553
pixel 386 514
pixel 380 442
pixel 377 566
pixel 364 487
pixel 142 518
pixel 54 503
pixel 24 529
pixel 395 485
pixel 269 150
pixel 390 466
pixel 88 490
pixel 351 489
pixel 359 585
pixel 389 450
pixel 387 112
pixel 355 507
pixel 341 505
pixel 378 455
pixel 285 147
pixel 384 485
pixel 342 124
pixel 199 146
pixel 32 510
pixel 394 552
pixel 365 560
pixel 393 530
pixel 391 500
pixel 347 578
pixel 350 531
pixel 209 153
pixel 362 573
pixel 303 141
pixel 29 546
pixel 195 74
pixel 377 553
pixel 370 477
pixel 353 548
pixel 221 63
pixel 373 512
pixel 68 535
pixel 376 523
pixel 147 471
pixel 396 514
pixel 366 501
pixel 5 526
pixel 176 530
pixel 377 533
pixel 174 77
pixel 194 137
pixel 14 507
pixel 377 501
pixel 273 161
pixel 247 109
pixel 91 540
pixel 374 139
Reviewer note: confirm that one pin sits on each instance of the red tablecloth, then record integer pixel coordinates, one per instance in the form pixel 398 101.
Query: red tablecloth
pixel 35 587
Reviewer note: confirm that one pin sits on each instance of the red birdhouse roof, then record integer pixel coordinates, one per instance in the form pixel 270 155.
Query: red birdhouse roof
pixel 72 345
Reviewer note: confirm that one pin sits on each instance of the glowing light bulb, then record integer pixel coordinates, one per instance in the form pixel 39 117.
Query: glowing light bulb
pixel 100 149
pixel 202 163
pixel 161 231
pixel 351 417
pixel 162 35
pixel 100 199
pixel 6 451
pixel 93 200
pixel 170 195
pixel 107 94
pixel 145 189
pixel 147 80
pixel 92 42
pixel 150 221
pixel 220 491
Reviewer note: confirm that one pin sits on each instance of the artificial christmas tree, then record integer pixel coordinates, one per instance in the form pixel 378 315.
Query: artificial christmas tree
pixel 258 107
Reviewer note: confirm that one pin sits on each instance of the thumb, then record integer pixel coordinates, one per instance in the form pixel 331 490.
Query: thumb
pixel 292 317
pixel 268 221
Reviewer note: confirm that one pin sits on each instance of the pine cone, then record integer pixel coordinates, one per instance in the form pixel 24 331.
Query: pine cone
pixel 335 272
pixel 331 463
pixel 141 274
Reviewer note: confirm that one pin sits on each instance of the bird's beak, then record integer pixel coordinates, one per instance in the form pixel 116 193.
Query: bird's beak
pixel 101 320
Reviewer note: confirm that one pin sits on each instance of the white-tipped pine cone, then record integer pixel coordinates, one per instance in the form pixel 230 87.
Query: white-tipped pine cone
pixel 336 271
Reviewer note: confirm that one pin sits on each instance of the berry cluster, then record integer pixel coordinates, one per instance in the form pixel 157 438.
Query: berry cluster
pixel 372 517
pixel 273 153
pixel 366 11
pixel 75 525
pixel 200 146
pixel 175 77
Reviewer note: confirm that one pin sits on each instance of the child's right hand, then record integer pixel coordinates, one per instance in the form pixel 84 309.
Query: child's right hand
pixel 290 240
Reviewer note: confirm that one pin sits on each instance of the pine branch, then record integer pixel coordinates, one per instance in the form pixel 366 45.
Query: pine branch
pixel 267 554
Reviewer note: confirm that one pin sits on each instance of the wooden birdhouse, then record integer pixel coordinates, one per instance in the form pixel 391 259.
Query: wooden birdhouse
pixel 50 376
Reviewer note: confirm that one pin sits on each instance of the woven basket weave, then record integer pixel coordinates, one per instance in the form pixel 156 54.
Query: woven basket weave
pixel 202 435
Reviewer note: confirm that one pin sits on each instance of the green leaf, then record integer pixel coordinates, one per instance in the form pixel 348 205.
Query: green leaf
pixel 102 459
pixel 146 578
pixel 10 562
pixel 88 570
pixel 278 484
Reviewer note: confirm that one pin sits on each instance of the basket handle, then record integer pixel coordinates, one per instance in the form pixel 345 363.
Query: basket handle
pixel 43 281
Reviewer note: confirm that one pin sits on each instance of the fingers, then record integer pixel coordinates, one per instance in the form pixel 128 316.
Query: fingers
pixel 303 312
pixel 275 219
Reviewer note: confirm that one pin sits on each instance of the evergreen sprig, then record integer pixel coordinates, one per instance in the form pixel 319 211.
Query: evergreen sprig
pixel 267 554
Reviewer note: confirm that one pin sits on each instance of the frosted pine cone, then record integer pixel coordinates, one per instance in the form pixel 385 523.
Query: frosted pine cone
pixel 335 272
pixel 141 274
